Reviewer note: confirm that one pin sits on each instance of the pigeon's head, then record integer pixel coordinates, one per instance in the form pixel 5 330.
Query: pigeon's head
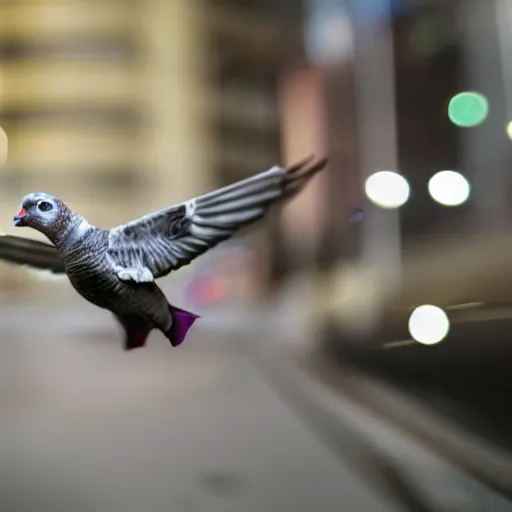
pixel 39 211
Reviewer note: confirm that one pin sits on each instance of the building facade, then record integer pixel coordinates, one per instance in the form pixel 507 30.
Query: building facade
pixel 122 107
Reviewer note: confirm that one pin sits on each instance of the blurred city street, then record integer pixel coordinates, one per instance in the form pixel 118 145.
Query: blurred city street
pixel 353 351
pixel 87 426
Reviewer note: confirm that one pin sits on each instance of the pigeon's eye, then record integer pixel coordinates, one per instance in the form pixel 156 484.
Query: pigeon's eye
pixel 44 206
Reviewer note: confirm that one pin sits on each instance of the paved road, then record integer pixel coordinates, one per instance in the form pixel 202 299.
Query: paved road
pixel 88 427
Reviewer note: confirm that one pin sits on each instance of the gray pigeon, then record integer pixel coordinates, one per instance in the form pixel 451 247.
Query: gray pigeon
pixel 116 269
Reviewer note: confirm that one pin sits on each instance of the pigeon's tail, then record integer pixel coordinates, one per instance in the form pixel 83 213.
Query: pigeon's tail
pixel 136 339
pixel 135 332
pixel 181 323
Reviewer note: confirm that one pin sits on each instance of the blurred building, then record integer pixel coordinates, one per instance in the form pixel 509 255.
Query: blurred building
pixel 404 64
pixel 249 45
pixel 122 107
pixel 104 105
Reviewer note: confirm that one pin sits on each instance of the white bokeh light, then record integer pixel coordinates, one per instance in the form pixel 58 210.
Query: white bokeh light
pixel 428 324
pixel 449 188
pixel 387 189
pixel 509 130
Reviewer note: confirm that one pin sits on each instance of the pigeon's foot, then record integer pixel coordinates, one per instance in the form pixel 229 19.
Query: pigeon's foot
pixel 139 275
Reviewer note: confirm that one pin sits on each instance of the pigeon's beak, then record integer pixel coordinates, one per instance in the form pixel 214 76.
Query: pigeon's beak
pixel 19 220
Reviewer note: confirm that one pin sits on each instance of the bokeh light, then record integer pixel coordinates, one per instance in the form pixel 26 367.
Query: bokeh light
pixel 4 147
pixel 428 324
pixel 387 189
pixel 509 130
pixel 449 188
pixel 468 109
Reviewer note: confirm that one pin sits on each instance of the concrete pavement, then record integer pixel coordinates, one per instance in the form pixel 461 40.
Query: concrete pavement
pixel 88 427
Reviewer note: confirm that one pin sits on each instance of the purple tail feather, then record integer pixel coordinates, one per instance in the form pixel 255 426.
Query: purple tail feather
pixel 182 321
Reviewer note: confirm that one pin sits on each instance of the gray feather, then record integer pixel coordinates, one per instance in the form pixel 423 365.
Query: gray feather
pixel 170 238
pixel 31 253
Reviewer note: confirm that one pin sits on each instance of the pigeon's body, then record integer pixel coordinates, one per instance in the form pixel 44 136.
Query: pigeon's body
pixel 139 307
pixel 116 269
pixel 90 273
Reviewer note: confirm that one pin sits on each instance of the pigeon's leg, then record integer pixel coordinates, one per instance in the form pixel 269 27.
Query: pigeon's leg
pixel 137 274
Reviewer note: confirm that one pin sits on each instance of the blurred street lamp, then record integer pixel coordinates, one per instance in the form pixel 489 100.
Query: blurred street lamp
pixel 449 188
pixel 428 324
pixel 387 189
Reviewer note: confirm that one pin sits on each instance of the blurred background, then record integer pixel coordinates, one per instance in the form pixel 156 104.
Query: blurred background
pixel 383 288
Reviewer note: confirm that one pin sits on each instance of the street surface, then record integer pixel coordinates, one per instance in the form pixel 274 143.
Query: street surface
pixel 88 427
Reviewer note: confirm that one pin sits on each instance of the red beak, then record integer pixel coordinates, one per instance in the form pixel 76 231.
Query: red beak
pixel 18 220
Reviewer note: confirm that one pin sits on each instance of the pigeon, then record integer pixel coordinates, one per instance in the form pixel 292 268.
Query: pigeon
pixel 116 269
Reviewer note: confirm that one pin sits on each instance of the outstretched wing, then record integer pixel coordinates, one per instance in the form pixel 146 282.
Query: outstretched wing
pixel 168 239
pixel 26 252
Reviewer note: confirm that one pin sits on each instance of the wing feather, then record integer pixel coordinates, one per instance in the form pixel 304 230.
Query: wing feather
pixel 170 238
pixel 31 253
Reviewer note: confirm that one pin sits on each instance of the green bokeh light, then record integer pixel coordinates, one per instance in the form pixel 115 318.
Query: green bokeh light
pixel 468 109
